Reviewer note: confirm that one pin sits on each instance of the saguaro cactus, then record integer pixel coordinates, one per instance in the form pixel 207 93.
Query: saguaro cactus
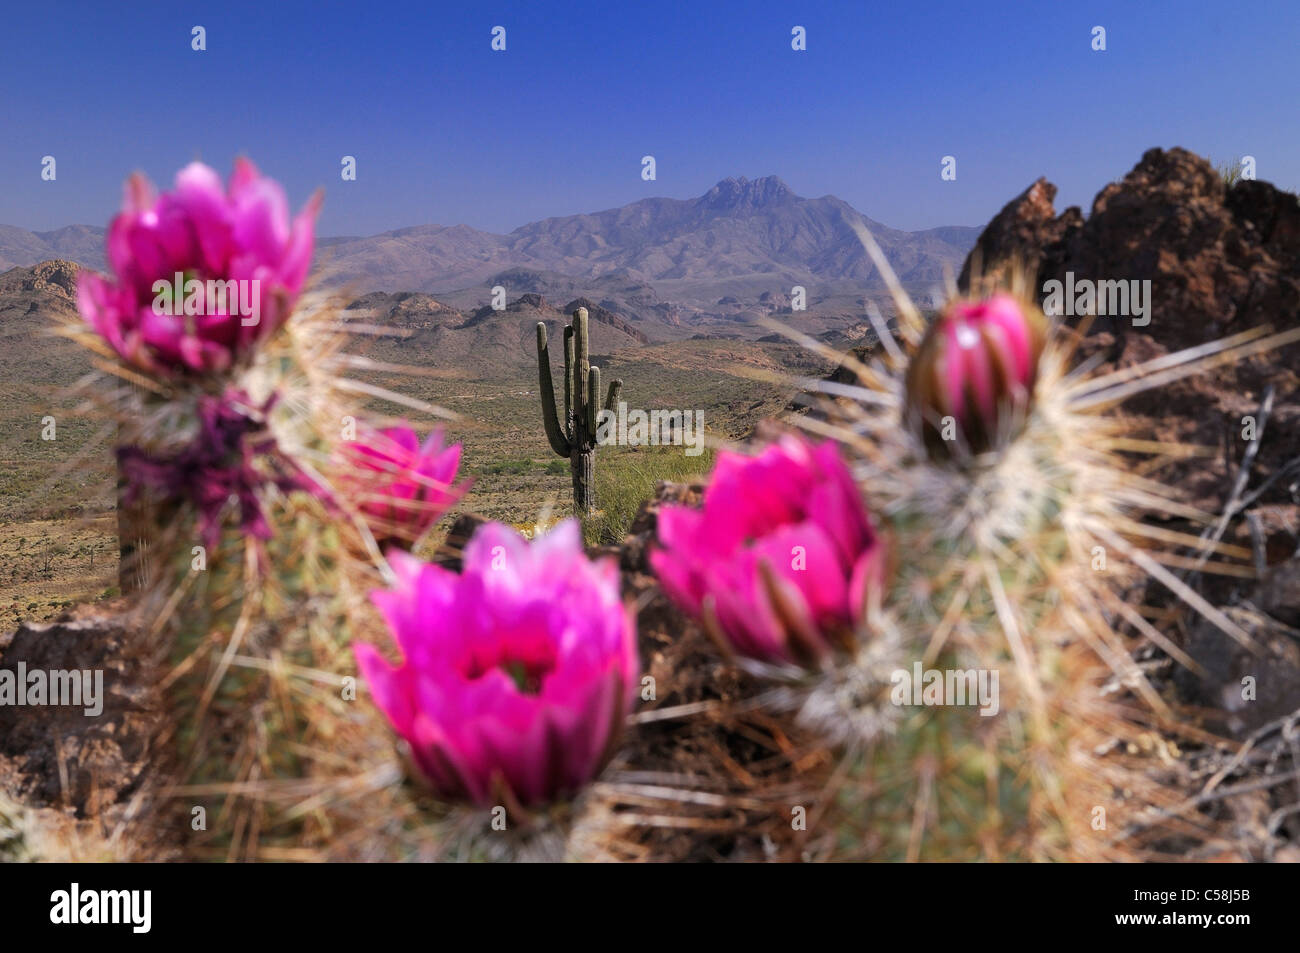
pixel 575 438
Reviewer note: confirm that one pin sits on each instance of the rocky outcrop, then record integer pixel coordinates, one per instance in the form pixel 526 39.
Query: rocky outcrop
pixel 401 307
pixel 1221 259
pixel 1021 233
pixel 56 278
pixel 87 756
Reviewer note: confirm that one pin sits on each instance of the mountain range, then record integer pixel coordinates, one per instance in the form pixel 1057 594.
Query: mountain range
pixel 83 244
pixel 720 252
pixel 740 231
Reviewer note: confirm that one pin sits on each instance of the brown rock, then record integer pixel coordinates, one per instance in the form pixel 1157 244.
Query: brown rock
pixel 1220 260
pixel 449 553
pixel 1021 233
pixel 57 278
pixel 58 756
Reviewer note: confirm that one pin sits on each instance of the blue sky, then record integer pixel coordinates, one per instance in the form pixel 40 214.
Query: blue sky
pixel 446 130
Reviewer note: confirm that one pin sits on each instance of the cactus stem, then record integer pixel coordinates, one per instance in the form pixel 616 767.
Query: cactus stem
pixel 554 434
pixel 568 380
pixel 615 388
pixel 593 412
pixel 575 437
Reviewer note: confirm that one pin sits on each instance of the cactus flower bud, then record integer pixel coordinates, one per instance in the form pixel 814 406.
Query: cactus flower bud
pixel 974 374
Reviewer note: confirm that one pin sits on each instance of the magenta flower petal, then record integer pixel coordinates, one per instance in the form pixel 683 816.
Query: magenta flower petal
pixel 804 555
pixel 400 486
pixel 383 681
pixel 515 672
pixel 202 233
pixel 773 551
pixel 298 250
pixel 745 614
pixel 680 580
pixel 261 220
pixel 203 208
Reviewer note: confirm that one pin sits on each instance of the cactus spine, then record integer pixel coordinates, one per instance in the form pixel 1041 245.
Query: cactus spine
pixel 575 438
pixel 133 524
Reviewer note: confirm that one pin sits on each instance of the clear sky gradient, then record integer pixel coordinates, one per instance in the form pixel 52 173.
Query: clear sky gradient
pixel 447 131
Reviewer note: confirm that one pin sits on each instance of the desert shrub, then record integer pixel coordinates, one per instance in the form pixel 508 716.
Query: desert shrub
pixel 626 478
pixel 1230 172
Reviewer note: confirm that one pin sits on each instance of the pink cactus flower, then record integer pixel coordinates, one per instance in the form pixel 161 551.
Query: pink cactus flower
pixel 240 260
pixel 516 675
pixel 977 364
pixel 781 559
pixel 403 488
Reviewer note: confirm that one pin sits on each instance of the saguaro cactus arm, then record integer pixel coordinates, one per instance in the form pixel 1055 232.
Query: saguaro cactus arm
pixel 593 412
pixel 615 388
pixel 554 433
pixel 568 379
pixel 582 362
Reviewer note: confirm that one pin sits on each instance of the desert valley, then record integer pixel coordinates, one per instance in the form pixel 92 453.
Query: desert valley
pixel 681 295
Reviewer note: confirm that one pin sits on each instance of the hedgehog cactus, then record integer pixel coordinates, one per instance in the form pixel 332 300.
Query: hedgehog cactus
pixel 785 568
pixel 997 582
pixel 1018 726
pixel 226 247
pixel 575 436
pixel 231 450
pixel 1017 565
pixel 249 578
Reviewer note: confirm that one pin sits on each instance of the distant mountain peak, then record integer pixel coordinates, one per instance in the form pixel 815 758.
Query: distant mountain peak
pixel 741 239
pixel 740 191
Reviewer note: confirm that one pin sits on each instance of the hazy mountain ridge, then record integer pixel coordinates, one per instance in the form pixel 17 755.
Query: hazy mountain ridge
pixel 739 227
pixel 83 244
pixel 485 343
pixel 726 257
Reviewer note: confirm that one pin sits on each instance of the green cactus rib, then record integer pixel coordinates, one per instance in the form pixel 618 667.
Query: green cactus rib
pixel 575 436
